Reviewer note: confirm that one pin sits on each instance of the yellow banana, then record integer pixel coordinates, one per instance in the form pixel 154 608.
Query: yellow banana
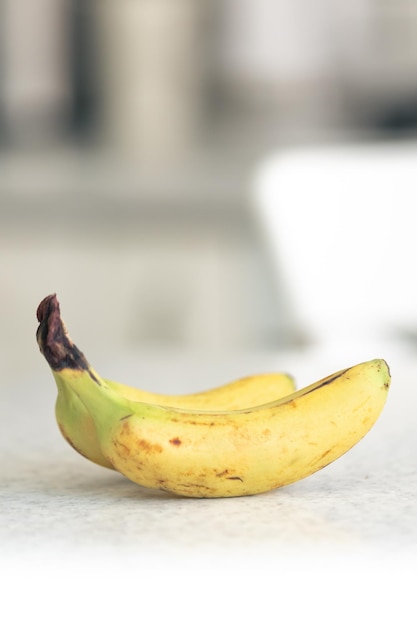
pixel 238 394
pixel 77 425
pixel 212 452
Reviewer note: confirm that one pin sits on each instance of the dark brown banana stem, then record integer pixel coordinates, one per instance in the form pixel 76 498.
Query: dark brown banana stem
pixel 54 342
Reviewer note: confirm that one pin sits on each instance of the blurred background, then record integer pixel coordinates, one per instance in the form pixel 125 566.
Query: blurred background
pixel 131 134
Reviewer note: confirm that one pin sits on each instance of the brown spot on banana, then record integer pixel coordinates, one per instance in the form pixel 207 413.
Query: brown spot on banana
pixel 326 381
pixel 147 446
pixel 324 454
pixel 129 443
pixel 120 445
pixel 192 422
pixel 176 441
pixel 222 474
pixel 225 474
pixel 125 417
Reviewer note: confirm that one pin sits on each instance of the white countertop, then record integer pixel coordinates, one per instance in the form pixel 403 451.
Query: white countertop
pixel 351 528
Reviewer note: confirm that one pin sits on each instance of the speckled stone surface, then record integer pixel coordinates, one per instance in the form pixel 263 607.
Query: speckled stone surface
pixel 60 513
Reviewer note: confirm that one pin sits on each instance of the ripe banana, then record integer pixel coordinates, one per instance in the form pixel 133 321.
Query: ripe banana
pixel 211 451
pixel 77 425
pixel 78 429
pixel 239 394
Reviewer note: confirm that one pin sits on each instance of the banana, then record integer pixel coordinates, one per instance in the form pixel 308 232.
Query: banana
pixel 78 429
pixel 214 452
pixel 238 394
pixel 77 426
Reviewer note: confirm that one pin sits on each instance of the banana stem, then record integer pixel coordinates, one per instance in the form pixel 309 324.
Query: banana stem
pixel 56 345
pixel 54 341
pixel 72 371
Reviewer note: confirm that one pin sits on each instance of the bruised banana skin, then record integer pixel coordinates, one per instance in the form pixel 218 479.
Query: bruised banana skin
pixel 219 453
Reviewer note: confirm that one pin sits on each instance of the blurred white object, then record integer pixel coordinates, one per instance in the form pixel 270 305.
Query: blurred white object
pixel 339 225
